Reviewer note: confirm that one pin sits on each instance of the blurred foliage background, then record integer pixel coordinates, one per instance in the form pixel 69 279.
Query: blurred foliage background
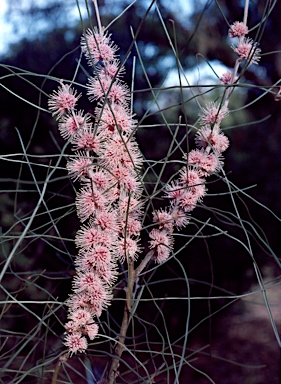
pixel 42 267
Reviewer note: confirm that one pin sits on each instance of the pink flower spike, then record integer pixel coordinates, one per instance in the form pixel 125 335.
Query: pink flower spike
pixel 86 139
pixel 162 242
pixel 238 29
pixel 226 78
pixel 188 201
pixel 76 343
pixel 91 330
pixel 127 248
pixel 70 124
pixel 97 46
pixel 114 118
pixel 213 113
pixel 164 220
pixel 205 163
pixel 181 218
pixel 87 203
pixel 63 100
pixel 104 87
pixel 212 137
pixel 160 237
pixel 79 167
pixel 112 69
pixel 81 317
pixel 247 49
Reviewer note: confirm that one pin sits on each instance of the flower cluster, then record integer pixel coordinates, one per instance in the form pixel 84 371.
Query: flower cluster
pixel 107 163
pixel 189 188
pixel 246 48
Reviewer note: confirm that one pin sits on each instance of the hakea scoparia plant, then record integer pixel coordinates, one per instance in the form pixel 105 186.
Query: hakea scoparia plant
pixel 107 163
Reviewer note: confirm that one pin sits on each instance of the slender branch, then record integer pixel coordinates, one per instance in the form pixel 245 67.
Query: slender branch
pixel 144 263
pixel 246 9
pixel 97 15
pixel 62 359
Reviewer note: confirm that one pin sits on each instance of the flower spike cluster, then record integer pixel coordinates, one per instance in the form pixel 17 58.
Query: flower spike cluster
pixel 107 163
pixel 246 48
pixel 185 192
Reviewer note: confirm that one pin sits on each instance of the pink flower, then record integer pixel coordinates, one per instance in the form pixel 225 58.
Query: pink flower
pixel 88 281
pixel 160 237
pixel 79 167
pixel 125 178
pixel 113 118
pixel 101 87
pixel 97 46
pixel 211 164
pixel 106 220
pixel 92 235
pixel 213 113
pixel 98 255
pixel 70 124
pixel 130 206
pixel 226 78
pixel 237 29
pixel 162 242
pixel 72 327
pixel 99 299
pixel 161 254
pixel 78 301
pixel 86 139
pixel 247 49
pixel 95 290
pixel 76 343
pixel 81 317
pixel 131 226
pixel 190 177
pixel 88 201
pixel 91 330
pixel 164 220
pixel 87 237
pixel 63 100
pixel 127 248
pixel 112 69
pixel 107 272
pixel 180 217
pixel 174 190
pixel 205 163
pixel 121 151
pixel 212 137
pixel 194 187
pixel 100 179
pixel 188 201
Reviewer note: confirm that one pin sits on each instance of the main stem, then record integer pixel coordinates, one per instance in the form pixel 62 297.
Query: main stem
pixel 113 371
pixel 133 275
